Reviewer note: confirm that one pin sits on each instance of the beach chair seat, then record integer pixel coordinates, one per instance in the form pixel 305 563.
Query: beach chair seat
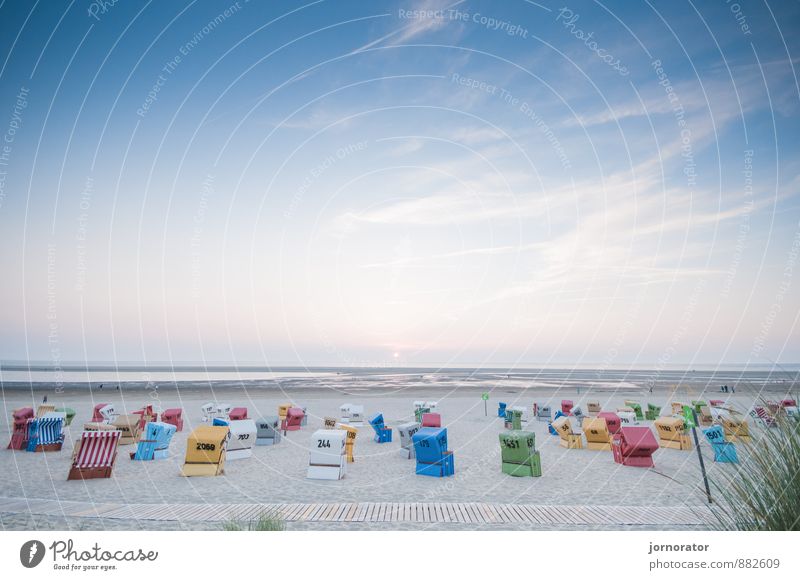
pixel 268 430
pixel 653 412
pixel 568 438
pixel 544 413
pixel 672 434
pixel 566 406
pixel 634 446
pixel 593 407
pixel 205 451
pixel 19 429
pixel 96 455
pixel 501 410
pixel 173 416
pixel 550 428
pixel 612 421
pixel 431 420
pixel 129 427
pixel 627 417
pixel 327 457
pixel 155 441
pixel 383 434
pixel 406 432
pixel 45 433
pixel 724 452
pixel 637 409
pixel 69 414
pixel 293 420
pixel 242 439
pixel 736 429
pixel 519 457
pixel 433 457
pixel 598 437
pixel 351 433
pixel 237 414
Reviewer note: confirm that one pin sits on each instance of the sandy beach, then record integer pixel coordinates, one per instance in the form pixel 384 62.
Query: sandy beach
pixel 277 474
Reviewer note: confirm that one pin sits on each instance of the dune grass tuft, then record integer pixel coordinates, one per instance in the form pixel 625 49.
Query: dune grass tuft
pixel 265 522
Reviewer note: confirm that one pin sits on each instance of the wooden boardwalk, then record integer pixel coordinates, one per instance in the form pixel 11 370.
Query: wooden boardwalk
pixel 473 514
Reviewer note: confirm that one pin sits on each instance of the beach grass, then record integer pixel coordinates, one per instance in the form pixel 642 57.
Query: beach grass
pixel 763 492
pixel 268 521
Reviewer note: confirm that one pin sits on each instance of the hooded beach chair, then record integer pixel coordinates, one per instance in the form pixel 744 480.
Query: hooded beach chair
pixel 653 412
pixel 96 455
pixel 569 438
pixel 612 421
pixel 677 408
pixel 146 415
pixel 763 415
pixel 129 427
pixel 351 433
pixel 566 406
pixel 513 419
pixel 242 439
pixel 627 417
pixel 433 458
pixel 544 413
pixel 519 456
pixel 19 429
pixel 329 423
pixel 672 435
pixel 205 451
pixel 155 441
pixel 736 428
pixel 91 426
pixel 792 412
pixel 383 434
pixel 593 408
pixel 634 446
pixel 97 416
pixel 44 409
pixel 636 407
pixel 598 437
pixel 108 414
pixel 501 410
pixel 45 433
pixel 431 420
pixel 326 458
pixel 208 410
pixel 173 417
pixel 293 420
pixel 577 412
pixel 705 416
pixel 69 414
pixel 406 432
pixel 724 452
pixel 420 408
pixel 716 403
pixel 550 428
pixel 268 430
pixel 283 409
pixel 237 414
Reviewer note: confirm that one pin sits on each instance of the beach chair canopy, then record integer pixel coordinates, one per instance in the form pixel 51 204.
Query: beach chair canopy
pixel 206 444
pixel 517 446
pixel 638 442
pixel 327 447
pixel 431 420
pixel 98 449
pixel 430 444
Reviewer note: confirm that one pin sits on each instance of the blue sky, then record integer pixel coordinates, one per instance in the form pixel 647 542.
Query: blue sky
pixel 400 182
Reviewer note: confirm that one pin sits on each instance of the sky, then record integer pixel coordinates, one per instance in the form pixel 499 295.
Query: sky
pixel 400 183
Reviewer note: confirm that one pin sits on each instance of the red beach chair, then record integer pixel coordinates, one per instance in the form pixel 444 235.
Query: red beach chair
pixel 431 420
pixel 147 415
pixel 612 421
pixel 19 435
pixel 97 416
pixel 96 456
pixel 294 419
pixel 566 406
pixel 717 402
pixel 789 403
pixel 173 417
pixel 634 446
pixel 765 416
pixel 238 414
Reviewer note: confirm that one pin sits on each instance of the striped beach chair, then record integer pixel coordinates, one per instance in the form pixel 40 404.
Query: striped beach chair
pixel 45 434
pixel 97 455
pixel 155 442
pixel 763 415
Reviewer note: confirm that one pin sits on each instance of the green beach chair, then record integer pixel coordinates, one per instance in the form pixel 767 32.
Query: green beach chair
pixel 698 404
pixel 69 412
pixel 688 418
pixel 514 419
pixel 418 413
pixel 519 456
pixel 637 408
pixel 653 412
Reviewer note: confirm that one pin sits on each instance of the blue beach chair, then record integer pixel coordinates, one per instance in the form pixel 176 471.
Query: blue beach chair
pixel 550 425
pixel 383 434
pixel 501 410
pixel 45 433
pixel 155 442
pixel 724 452
pixel 433 458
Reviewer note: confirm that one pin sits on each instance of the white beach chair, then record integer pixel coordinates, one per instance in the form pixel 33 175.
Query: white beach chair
pixel 406 432
pixel 242 440
pixel 357 415
pixel 627 418
pixel 109 414
pixel 327 455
